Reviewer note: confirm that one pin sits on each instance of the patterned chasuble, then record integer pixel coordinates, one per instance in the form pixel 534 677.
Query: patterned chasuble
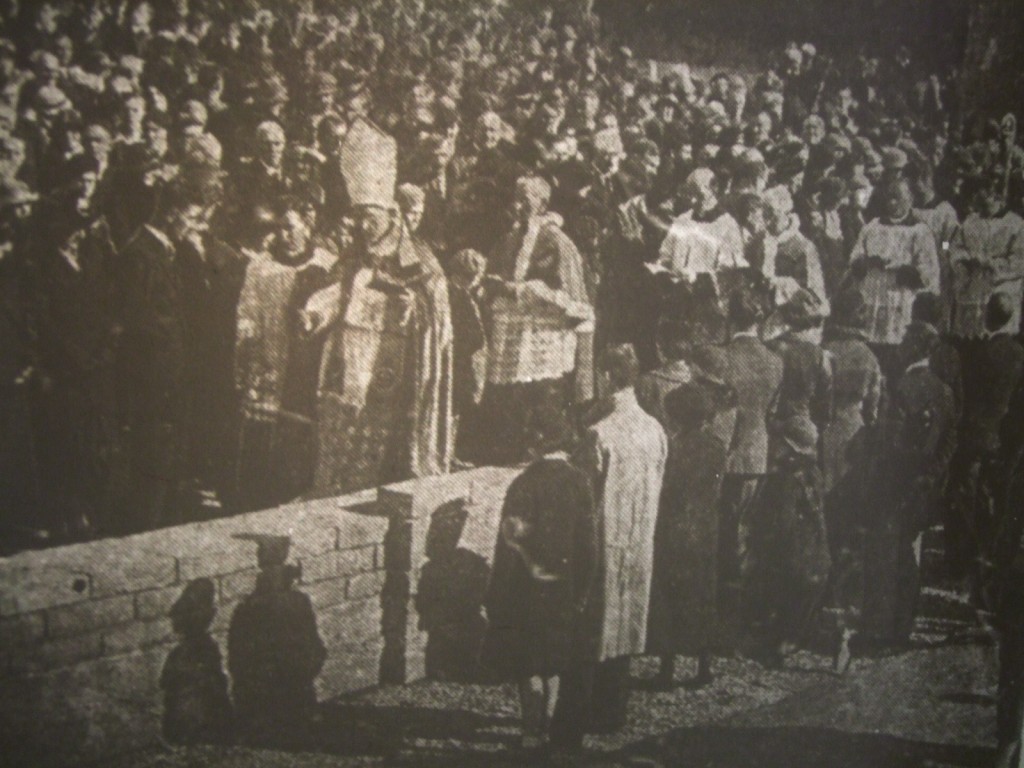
pixel 262 351
pixel 384 411
pixel 366 393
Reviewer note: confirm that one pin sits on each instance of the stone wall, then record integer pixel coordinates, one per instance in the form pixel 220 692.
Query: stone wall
pixel 84 630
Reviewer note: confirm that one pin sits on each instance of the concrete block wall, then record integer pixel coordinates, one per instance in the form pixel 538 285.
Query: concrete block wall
pixel 84 630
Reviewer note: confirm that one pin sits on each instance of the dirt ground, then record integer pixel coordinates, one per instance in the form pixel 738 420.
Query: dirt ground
pixel 931 706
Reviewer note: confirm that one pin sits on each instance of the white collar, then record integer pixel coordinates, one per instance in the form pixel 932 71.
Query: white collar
pixel 624 397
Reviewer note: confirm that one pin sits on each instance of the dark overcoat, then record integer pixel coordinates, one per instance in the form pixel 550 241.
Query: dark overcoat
pixel 536 596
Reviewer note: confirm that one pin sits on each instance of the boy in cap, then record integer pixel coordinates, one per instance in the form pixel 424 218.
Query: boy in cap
pixel 789 543
pixel 197 709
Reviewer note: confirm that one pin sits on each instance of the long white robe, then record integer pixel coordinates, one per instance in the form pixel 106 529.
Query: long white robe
pixel 625 455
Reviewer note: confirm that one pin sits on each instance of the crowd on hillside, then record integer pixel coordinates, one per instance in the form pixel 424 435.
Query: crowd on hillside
pixel 258 251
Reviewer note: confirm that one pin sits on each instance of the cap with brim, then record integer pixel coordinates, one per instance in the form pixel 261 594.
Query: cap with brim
pixel 16 193
pixel 802 309
pixel 801 436
pixel 52 99
pixel 894 159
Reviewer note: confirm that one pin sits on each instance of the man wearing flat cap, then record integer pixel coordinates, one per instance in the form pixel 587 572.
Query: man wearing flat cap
pixel 386 375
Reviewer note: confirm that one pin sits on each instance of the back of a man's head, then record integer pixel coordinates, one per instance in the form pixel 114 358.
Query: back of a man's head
pixel 744 312
pixel 621 365
pixel 998 312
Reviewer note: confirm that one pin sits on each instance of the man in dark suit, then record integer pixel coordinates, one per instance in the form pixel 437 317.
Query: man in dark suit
pixel 152 361
pixel 919 440
pixel 755 373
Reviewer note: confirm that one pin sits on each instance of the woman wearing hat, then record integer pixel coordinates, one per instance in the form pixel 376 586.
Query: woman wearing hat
pixel 684 590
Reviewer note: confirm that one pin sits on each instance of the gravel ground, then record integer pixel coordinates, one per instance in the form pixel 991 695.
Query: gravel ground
pixel 929 707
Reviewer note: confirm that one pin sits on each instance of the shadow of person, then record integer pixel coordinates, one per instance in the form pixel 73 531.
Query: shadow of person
pixel 275 654
pixel 353 728
pixel 450 597
pixel 197 709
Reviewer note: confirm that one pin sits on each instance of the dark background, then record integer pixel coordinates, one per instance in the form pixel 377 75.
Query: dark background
pixel 935 30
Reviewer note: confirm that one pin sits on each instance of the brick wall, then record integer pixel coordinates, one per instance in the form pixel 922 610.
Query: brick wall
pixel 84 630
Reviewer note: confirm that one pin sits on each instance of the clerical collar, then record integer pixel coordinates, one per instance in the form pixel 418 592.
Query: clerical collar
pixel 624 396
pixel 274 172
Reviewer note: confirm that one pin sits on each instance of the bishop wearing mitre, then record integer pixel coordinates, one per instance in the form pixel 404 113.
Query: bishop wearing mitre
pixel 384 402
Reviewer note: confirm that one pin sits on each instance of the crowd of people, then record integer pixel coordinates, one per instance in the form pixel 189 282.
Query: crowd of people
pixel 755 334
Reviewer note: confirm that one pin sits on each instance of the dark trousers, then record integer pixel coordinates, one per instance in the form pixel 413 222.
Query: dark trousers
pixel 592 698
pixel 1010 705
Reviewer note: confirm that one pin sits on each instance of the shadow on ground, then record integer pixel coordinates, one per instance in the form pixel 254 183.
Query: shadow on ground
pixel 795 747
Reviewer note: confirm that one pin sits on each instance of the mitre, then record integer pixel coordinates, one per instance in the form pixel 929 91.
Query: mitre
pixel 369 165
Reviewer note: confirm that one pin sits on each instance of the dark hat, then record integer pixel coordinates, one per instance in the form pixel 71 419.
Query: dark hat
pixel 14 192
pixel 788 166
pixel 745 307
pixel 832 190
pixel 691 404
pixel 800 435
pixel 271 549
pixel 803 310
